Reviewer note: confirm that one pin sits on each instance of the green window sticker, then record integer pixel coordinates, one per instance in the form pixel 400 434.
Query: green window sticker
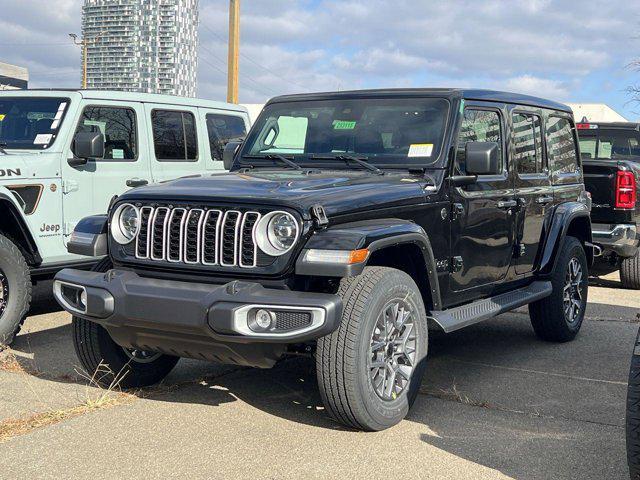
pixel 344 125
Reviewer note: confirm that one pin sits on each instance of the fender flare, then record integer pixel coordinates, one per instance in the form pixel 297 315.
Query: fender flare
pixel 27 241
pixel 373 235
pixel 557 228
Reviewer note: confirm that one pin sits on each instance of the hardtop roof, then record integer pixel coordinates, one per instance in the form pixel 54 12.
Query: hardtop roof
pixel 129 97
pixel 467 94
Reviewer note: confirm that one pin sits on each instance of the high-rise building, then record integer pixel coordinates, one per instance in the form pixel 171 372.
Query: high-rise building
pixel 141 45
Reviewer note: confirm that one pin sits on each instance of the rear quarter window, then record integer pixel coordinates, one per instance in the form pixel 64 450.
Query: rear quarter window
pixel 561 147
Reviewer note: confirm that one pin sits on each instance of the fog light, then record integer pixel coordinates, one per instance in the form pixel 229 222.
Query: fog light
pixel 83 298
pixel 262 320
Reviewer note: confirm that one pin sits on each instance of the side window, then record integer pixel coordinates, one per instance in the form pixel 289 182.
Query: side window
pixel 222 129
pixel 561 146
pixel 174 136
pixel 118 125
pixel 478 126
pixel 527 142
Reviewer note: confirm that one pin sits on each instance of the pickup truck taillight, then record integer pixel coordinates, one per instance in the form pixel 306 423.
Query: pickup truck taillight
pixel 625 189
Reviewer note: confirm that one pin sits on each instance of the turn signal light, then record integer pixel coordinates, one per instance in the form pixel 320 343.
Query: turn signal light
pixel 626 190
pixel 345 257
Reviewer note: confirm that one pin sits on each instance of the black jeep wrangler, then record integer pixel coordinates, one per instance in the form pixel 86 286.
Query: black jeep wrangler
pixel 349 223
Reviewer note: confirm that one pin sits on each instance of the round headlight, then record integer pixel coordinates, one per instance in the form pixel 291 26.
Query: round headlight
pixel 277 233
pixel 125 223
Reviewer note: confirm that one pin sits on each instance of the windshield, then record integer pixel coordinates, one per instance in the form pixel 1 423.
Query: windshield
pixel 386 132
pixel 30 123
pixel 610 143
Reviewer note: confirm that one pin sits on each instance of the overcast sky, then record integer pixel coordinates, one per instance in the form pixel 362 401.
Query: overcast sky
pixel 565 50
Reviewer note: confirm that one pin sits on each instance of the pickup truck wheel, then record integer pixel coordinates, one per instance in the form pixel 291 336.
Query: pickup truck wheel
pixel 633 413
pixel 630 272
pixel 15 290
pixel 559 316
pixel 111 365
pixel 370 369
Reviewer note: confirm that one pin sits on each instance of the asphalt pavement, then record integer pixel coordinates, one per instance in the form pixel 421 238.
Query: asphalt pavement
pixel 496 402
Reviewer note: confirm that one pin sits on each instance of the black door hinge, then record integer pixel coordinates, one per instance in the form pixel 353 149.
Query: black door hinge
pixel 456 264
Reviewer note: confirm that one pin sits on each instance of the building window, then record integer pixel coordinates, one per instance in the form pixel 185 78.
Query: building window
pixel 174 136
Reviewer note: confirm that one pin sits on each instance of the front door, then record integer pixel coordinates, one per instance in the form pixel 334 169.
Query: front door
pixel 532 184
pixel 482 213
pixel 88 189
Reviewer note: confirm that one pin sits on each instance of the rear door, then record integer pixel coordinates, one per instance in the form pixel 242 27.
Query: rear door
pixel 533 190
pixel 222 126
pixel 88 189
pixel 177 148
pixel 482 226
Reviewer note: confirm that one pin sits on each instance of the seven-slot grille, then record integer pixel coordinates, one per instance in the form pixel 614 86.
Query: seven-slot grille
pixel 198 236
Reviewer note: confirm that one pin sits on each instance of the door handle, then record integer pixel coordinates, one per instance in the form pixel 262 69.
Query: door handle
pixel 507 204
pixel 544 200
pixel 137 182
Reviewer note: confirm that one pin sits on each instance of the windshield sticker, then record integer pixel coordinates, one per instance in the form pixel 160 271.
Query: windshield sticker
pixel 42 139
pixel 462 105
pixel 2 115
pixel 344 125
pixel 117 154
pixel 420 150
pixel 55 124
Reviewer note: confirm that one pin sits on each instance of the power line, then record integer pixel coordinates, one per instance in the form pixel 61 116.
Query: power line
pixel 246 57
pixel 257 87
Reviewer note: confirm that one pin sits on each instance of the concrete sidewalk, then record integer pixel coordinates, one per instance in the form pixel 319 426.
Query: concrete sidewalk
pixel 496 403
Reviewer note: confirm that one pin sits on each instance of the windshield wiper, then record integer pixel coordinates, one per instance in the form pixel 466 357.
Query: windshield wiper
pixel 273 156
pixel 360 160
pixel 3 145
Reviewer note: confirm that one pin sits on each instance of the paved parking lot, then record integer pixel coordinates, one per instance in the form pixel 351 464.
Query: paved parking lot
pixel 495 403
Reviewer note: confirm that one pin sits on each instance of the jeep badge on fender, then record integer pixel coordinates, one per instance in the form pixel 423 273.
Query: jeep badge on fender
pixel 327 238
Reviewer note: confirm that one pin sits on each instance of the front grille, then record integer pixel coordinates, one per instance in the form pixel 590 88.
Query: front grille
pixel 287 320
pixel 198 236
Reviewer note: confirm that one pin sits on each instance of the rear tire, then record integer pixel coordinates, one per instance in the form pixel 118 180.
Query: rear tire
pixel 558 317
pixel 109 364
pixel 630 272
pixel 633 413
pixel 15 290
pixel 362 367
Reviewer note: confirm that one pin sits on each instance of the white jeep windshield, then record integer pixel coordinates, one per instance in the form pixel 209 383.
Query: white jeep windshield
pixel 384 131
pixel 29 122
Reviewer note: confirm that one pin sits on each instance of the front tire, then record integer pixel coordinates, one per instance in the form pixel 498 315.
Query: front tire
pixel 558 317
pixel 111 365
pixel 630 272
pixel 15 290
pixel 370 369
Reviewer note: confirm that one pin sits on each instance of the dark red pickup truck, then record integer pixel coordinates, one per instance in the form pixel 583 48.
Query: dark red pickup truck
pixel 611 160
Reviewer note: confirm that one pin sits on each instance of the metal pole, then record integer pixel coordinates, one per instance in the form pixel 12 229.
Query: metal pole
pixel 84 63
pixel 234 51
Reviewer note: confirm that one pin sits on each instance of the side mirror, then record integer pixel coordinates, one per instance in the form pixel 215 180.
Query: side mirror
pixel 482 158
pixel 87 145
pixel 229 154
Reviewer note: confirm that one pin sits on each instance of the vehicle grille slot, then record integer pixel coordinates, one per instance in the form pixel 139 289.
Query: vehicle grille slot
pixel 192 235
pixel 289 320
pixel 158 227
pixel 229 238
pixel 248 250
pixel 210 229
pixel 142 241
pixel 174 238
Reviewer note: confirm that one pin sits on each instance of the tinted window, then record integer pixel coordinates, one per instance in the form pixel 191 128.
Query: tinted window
pixel 610 143
pixel 174 136
pixel 388 131
pixel 27 122
pixel 527 142
pixel 478 126
pixel 222 129
pixel 561 146
pixel 117 125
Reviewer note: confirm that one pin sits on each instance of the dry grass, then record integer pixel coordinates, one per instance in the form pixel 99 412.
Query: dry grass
pixel 454 395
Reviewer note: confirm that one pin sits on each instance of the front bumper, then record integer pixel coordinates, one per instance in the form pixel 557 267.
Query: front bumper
pixel 193 319
pixel 622 239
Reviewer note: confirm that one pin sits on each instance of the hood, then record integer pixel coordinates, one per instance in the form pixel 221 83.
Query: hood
pixel 338 191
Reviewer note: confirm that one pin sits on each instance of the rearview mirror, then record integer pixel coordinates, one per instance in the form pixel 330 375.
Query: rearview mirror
pixel 482 158
pixel 229 154
pixel 88 145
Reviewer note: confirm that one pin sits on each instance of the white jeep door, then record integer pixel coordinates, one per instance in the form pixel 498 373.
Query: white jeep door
pixel 88 189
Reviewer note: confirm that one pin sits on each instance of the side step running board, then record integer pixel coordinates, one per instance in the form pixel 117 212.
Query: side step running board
pixel 465 315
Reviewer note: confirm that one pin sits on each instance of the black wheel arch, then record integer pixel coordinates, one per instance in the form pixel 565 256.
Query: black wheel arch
pixel 12 225
pixel 391 242
pixel 568 219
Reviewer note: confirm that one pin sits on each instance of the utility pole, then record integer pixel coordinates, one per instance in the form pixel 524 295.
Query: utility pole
pixel 84 43
pixel 234 51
